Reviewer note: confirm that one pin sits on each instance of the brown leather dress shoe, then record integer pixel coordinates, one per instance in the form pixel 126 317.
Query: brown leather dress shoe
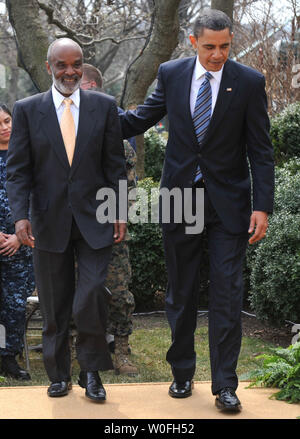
pixel 181 389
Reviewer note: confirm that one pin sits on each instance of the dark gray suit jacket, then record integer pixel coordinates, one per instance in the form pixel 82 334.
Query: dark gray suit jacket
pixel 238 134
pixel 38 169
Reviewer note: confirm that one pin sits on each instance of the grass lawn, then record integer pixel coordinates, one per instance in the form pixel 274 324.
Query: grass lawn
pixel 149 343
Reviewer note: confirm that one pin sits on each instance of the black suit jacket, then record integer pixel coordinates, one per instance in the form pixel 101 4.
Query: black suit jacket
pixel 38 169
pixel 238 135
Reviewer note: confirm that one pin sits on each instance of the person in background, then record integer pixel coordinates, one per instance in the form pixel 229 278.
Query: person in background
pixel 122 304
pixel 16 269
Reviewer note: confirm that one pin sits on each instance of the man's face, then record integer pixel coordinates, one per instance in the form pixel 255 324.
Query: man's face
pixel 65 68
pixel 213 48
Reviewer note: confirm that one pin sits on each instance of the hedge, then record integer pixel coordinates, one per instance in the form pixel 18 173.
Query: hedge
pixel 274 262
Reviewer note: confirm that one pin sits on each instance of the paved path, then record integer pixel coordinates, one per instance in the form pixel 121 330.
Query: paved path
pixel 139 401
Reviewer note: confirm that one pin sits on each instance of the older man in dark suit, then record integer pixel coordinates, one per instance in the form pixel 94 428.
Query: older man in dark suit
pixel 218 121
pixel 62 151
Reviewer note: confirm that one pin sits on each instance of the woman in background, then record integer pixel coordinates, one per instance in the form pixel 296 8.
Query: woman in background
pixel 16 270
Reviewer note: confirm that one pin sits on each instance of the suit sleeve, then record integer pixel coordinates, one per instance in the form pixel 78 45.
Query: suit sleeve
pixel 19 166
pixel 260 149
pixel 146 115
pixel 114 165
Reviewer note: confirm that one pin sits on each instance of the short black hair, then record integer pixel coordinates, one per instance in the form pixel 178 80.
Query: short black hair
pixel 4 108
pixel 212 19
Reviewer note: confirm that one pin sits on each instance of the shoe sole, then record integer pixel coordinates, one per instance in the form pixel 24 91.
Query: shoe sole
pixel 58 395
pixel 102 399
pixel 180 395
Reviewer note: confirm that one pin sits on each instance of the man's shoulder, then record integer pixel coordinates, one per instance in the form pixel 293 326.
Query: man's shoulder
pixel 98 96
pixel 179 63
pixel 246 71
pixel 31 100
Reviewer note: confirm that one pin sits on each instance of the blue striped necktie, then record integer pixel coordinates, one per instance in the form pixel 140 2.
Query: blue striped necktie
pixel 202 114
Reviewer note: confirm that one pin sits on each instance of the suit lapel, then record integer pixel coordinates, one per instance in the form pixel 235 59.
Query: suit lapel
pixel 228 88
pixel 86 124
pixel 50 125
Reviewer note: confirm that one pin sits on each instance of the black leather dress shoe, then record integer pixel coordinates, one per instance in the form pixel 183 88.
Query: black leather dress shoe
pixel 92 384
pixel 181 389
pixel 227 400
pixel 61 388
pixel 11 369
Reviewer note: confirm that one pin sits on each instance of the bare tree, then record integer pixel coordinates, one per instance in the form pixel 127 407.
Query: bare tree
pixel 31 39
pixel 224 5
pixel 95 24
pixel 269 47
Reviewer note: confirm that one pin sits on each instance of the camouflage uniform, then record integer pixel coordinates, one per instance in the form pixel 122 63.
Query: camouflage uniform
pixel 119 271
pixel 16 279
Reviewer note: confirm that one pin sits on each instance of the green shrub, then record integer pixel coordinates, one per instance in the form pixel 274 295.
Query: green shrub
pixel 281 370
pixel 275 271
pixel 285 133
pixel 149 276
pixel 274 262
pixel 146 257
pixel 155 147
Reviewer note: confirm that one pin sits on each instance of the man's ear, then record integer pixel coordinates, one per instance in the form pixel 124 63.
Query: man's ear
pixel 193 41
pixel 48 68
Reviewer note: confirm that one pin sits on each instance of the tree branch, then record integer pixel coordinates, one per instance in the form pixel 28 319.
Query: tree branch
pixel 52 20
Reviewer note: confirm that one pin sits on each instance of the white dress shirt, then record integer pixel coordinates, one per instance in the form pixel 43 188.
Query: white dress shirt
pixel 198 79
pixel 59 106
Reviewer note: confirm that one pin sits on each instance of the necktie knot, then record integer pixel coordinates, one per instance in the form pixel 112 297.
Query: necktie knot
pixel 68 102
pixel 208 76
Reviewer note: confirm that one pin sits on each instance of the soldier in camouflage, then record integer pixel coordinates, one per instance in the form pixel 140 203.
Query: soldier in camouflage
pixel 118 278
pixel 16 270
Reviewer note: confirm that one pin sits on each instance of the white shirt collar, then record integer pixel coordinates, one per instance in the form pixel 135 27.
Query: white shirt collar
pixel 200 71
pixel 58 97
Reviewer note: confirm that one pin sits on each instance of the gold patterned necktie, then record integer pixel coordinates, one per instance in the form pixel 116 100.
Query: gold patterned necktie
pixel 68 131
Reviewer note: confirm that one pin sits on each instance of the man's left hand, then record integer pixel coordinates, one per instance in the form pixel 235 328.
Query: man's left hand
pixel 258 225
pixel 119 231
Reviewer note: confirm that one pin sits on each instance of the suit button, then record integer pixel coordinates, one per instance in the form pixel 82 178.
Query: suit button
pixel 70 180
pixel 199 155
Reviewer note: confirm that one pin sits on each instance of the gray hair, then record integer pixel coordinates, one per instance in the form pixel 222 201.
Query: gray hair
pixel 212 19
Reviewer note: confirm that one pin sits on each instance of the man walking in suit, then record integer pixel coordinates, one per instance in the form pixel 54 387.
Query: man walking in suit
pixel 61 153
pixel 218 122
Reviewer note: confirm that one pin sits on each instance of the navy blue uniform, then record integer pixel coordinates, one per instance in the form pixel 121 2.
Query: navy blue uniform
pixel 16 277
